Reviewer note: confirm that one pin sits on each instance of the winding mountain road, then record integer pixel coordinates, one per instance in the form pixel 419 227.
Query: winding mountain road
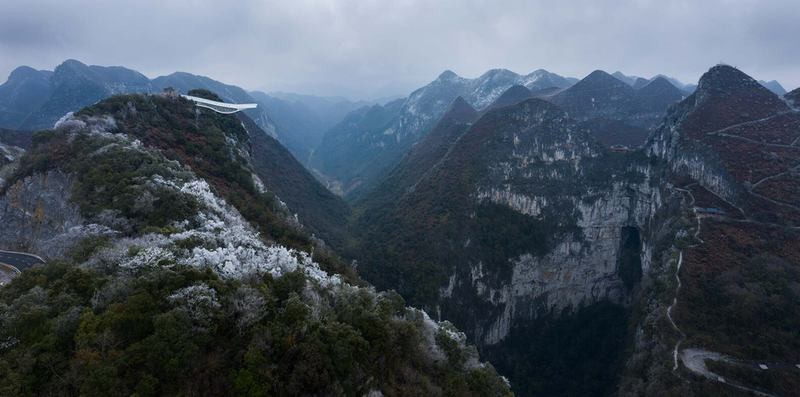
pixel 19 260
pixel 694 359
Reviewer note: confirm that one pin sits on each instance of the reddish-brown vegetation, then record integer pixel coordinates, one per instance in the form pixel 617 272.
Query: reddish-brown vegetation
pixel 740 290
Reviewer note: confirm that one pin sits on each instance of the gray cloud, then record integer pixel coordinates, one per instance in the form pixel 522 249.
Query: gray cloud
pixel 366 45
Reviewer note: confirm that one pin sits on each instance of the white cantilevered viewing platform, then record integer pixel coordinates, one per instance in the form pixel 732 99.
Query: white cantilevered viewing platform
pixel 220 107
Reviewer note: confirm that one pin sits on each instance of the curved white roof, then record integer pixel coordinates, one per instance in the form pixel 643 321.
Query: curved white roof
pixel 220 107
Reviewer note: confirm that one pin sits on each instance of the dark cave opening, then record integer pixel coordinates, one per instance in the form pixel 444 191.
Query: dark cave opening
pixel 629 261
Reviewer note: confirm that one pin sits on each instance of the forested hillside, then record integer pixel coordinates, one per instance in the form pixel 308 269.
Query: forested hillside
pixel 187 277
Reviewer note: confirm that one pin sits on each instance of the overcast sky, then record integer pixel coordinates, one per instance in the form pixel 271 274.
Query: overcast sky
pixel 397 45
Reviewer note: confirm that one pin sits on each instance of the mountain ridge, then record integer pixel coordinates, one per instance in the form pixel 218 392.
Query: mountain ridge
pixel 152 257
pixel 383 147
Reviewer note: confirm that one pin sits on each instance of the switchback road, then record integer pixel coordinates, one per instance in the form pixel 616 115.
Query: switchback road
pixel 19 260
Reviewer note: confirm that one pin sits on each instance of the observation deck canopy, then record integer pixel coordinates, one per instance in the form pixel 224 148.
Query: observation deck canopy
pixel 220 107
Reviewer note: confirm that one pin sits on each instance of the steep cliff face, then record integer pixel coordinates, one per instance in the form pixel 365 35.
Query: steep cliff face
pixel 731 150
pixel 548 168
pixel 584 267
pixel 37 217
pixel 529 179
pixel 524 220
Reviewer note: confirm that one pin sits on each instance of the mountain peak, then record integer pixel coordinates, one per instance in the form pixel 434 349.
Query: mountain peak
pixel 773 86
pixel 70 69
pixel 725 78
pixel 494 73
pixel 461 111
pixel 22 72
pixel 727 96
pixel 534 106
pixel 599 74
pixel 595 85
pixel 641 82
pixel 598 79
pixel 447 75
pixel 512 96
pixel 72 64
pixel 516 91
pixel 623 78
pixel 660 84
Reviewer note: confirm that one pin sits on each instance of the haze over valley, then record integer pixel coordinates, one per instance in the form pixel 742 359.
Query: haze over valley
pixel 352 199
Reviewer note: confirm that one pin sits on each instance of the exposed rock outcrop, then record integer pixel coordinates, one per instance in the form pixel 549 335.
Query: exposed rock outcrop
pixel 37 217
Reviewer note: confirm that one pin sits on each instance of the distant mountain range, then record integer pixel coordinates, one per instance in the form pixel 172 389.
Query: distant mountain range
pixel 351 146
pixel 35 99
pixel 638 82
pixel 307 116
pixel 615 112
pixel 356 155
pixel 521 228
pixel 557 222
pixel 296 125
pixel 773 86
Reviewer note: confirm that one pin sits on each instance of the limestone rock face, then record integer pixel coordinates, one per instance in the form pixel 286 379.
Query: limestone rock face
pixel 546 166
pixel 583 267
pixel 37 216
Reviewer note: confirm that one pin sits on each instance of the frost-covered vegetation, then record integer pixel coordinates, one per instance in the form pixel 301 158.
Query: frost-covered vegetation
pixel 181 293
pixel 9 156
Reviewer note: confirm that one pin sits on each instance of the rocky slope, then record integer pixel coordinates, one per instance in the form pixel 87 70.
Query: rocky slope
pixel 738 139
pixel 730 148
pixel 419 162
pixel 381 147
pixel 521 223
pixel 184 276
pixel 520 216
pixel 511 97
pixel 37 217
pixel 322 212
